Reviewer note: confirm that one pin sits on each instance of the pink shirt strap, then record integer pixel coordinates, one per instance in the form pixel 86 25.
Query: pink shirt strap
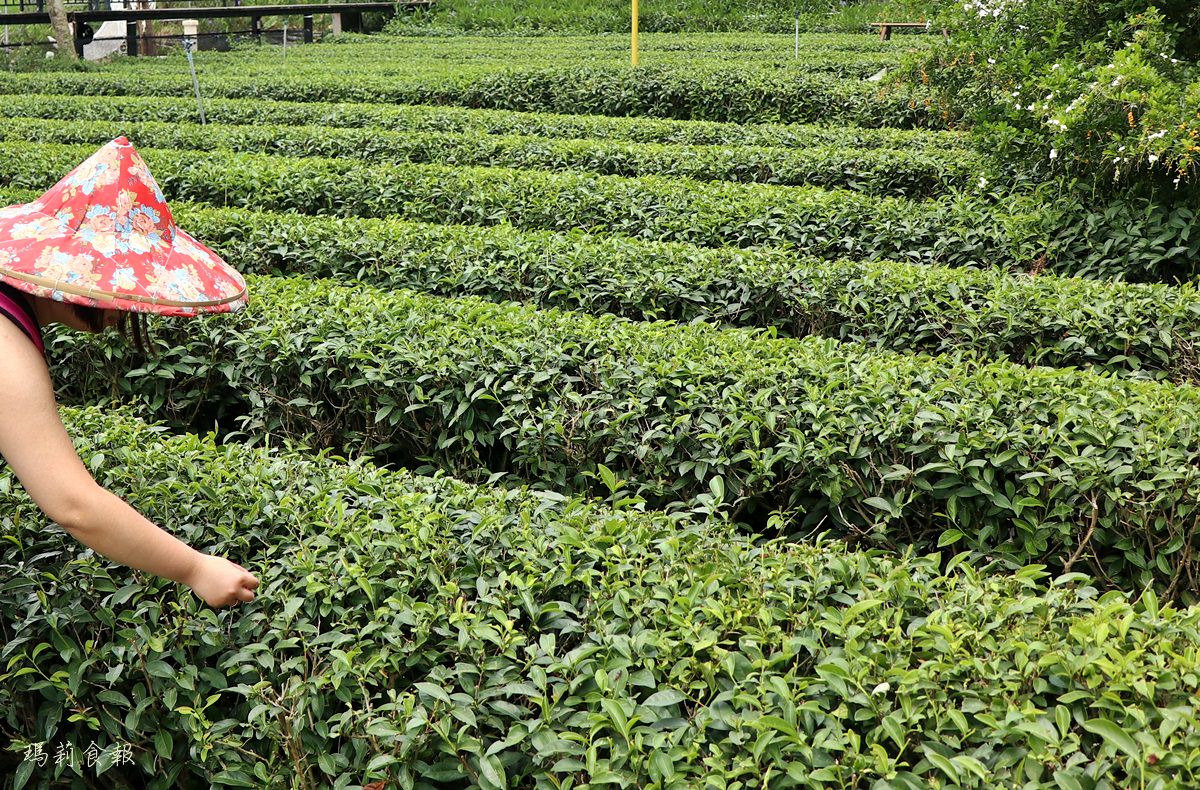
pixel 15 305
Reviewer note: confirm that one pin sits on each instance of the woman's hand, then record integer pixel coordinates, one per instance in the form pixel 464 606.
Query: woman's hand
pixel 221 582
pixel 35 443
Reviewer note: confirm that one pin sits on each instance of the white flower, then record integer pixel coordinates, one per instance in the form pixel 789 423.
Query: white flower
pixel 982 182
pixel 992 61
pixel 1055 66
pixel 1153 158
pixel 1054 153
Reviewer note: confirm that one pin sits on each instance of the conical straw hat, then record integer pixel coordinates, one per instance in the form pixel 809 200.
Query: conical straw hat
pixel 104 237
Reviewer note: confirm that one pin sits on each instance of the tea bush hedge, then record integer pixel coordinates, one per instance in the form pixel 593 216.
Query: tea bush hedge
pixel 835 222
pixel 730 94
pixel 687 46
pixel 1134 239
pixel 460 120
pixel 878 171
pixel 428 632
pixel 1056 466
pixel 828 55
pixel 1129 329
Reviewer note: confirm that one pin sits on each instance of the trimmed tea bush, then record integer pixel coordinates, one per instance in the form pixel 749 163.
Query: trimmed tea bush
pixel 1133 330
pixel 735 94
pixel 711 214
pixel 654 208
pixel 460 120
pixel 1128 240
pixel 881 171
pixel 1140 330
pixel 427 632
pixel 1041 465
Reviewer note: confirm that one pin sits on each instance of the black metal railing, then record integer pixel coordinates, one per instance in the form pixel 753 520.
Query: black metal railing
pixel 347 15
pixel 39 6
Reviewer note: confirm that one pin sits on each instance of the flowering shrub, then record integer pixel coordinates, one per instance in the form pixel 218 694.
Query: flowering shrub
pixel 1106 91
pixel 991 8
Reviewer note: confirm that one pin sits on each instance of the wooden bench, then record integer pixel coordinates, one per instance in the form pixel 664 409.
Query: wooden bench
pixel 885 28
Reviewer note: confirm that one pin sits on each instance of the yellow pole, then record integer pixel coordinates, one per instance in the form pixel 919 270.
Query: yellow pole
pixel 635 17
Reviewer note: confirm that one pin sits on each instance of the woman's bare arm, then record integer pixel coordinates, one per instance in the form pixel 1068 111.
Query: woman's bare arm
pixel 37 447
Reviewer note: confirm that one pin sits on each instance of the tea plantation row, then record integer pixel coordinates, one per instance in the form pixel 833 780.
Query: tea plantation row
pixel 1128 329
pixel 730 94
pixel 827 55
pixel 830 223
pixel 460 120
pixel 877 171
pixel 452 634
pixel 470 47
pixel 1062 467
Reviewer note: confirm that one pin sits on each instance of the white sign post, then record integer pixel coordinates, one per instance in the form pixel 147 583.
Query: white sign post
pixel 190 33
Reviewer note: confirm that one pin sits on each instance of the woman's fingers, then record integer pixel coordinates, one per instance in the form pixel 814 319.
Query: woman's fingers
pixel 251 580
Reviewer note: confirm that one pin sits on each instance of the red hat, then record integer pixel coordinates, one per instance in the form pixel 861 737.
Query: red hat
pixel 104 237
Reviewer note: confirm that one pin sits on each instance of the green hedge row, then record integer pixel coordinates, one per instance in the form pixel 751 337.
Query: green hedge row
pixel 825 222
pixel 389 56
pixel 468 46
pixel 1131 240
pixel 1130 329
pixel 879 171
pixel 814 46
pixel 459 120
pixel 463 17
pixel 430 634
pixel 388 62
pixel 1036 464
pixel 714 95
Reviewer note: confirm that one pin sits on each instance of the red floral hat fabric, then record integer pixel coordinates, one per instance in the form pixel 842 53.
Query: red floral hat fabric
pixel 104 237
